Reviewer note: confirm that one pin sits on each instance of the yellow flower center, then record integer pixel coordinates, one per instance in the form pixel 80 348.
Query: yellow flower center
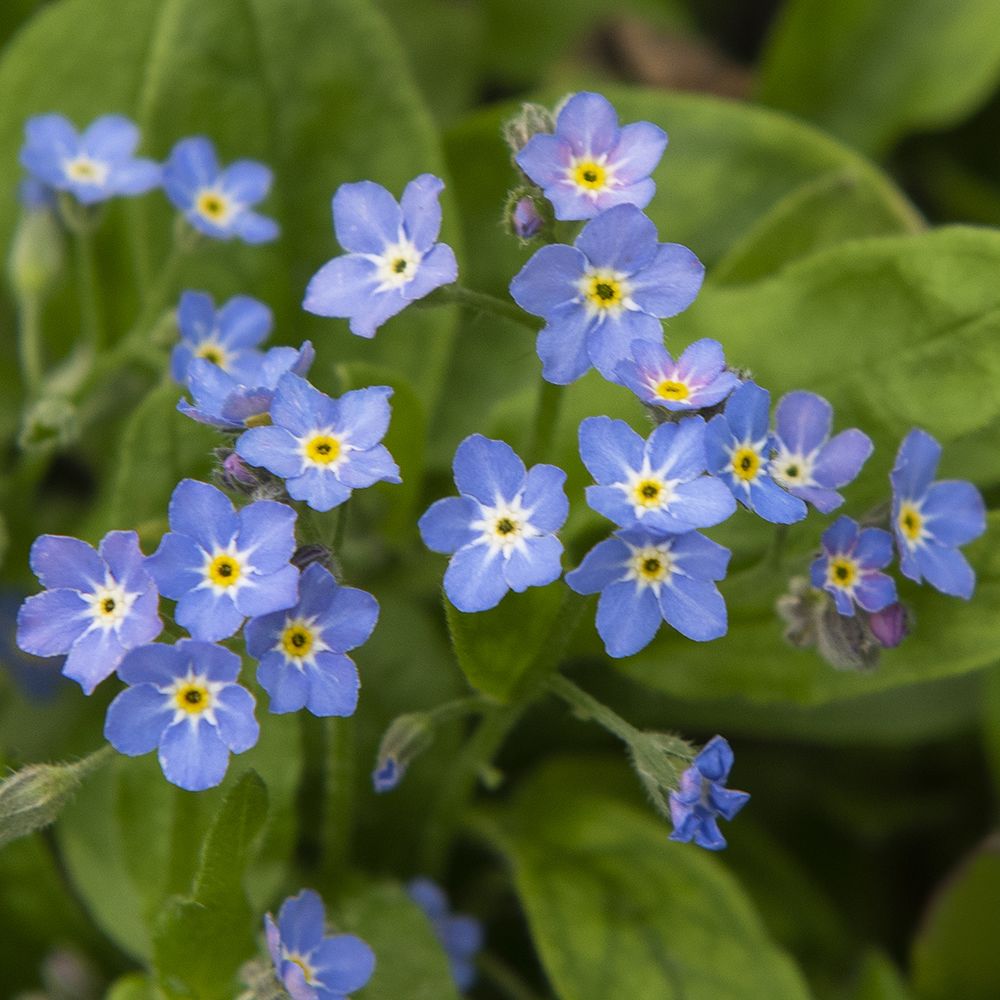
pixel 107 606
pixel 647 493
pixel 258 420
pixel 651 565
pixel 590 175
pixel 307 970
pixel 212 352
pixel 505 526
pixel 399 265
pixel 604 292
pixel 213 206
pixel 323 449
pixel 224 571
pixel 746 463
pixel 911 522
pixel 672 389
pixel 296 640
pixel 842 572
pixel 82 169
pixel 193 697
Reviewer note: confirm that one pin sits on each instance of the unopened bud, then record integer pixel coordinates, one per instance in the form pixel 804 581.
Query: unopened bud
pixel 235 474
pixel 530 120
pixel 659 759
pixel 36 254
pixel 525 220
pixel 891 625
pixel 406 738
pixel 51 422
pixel 306 555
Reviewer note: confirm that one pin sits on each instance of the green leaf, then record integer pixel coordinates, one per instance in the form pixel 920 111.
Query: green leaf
pixel 508 652
pixel 201 940
pixel 617 910
pixel 869 71
pixel 879 979
pixel 132 987
pixel 955 953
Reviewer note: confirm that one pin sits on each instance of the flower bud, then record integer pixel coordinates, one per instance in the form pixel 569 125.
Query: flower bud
pixel 406 738
pixel 891 625
pixel 530 120
pixel 235 473
pixel 525 220
pixel 36 254
pixel 51 422
pixel 658 760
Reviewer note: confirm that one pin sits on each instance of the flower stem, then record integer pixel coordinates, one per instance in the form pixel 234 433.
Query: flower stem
pixel 90 310
pixel 483 302
pixel 338 802
pixel 588 707
pixel 543 427
pixel 29 341
pixel 504 978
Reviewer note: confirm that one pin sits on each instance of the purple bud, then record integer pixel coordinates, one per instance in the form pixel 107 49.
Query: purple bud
pixel 525 219
pixel 891 625
pixel 236 471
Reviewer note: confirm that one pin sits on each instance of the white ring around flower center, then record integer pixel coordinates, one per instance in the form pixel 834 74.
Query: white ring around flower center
pixel 110 604
pixel 791 469
pixel 505 527
pixel 84 170
pixel 180 696
pixel 397 265
pixel 605 292
pixel 650 566
pixel 647 490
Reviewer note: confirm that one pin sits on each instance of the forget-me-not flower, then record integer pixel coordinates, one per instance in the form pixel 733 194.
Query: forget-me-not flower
pixel 502 527
pixel 301 650
pixel 590 164
pixel 393 257
pixel 696 380
pixel 218 201
pixel 94 166
pixel 644 579
pixel 737 445
pixel 234 402
pixel 609 289
pixel 98 605
pixel 323 448
pixel 807 461
pixel 658 484
pixel 309 965
pixel 849 565
pixel 226 336
pixel 931 519
pixel 222 565
pixel 184 700
pixel 703 796
pixel 460 935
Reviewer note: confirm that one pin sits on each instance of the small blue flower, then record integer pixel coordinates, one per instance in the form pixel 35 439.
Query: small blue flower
pixel 697 379
pixel 221 565
pixel 931 519
pixel 323 448
pixel 461 936
pixel 658 484
pixel 849 567
pixel 183 699
pixel 806 461
pixel 702 797
pixel 590 164
pixel 387 774
pixel 232 402
pixel 607 290
pixel 34 195
pixel 393 258
pixel 737 445
pixel 502 527
pixel 93 167
pixel 309 965
pixel 98 605
pixel 218 202
pixel 225 336
pixel 301 650
pixel 644 579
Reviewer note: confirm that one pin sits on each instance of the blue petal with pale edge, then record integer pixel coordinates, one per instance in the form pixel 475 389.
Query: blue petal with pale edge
pixel 176 565
pixel 203 513
pixel 235 720
pixel 545 497
pixel 300 922
pixel 344 963
pixel 588 122
pixel 365 468
pixel 769 501
pixel 333 685
pixel 610 449
pixel 320 488
pixel 802 421
pixel 94 656
pixel 49 623
pixel 366 217
pixel 61 561
pixel 603 565
pixel 841 458
pixel 945 569
pixel 677 451
pixel 350 616
pixel 955 512
pixel 207 615
pixel 271 448
pixel 269 592
pixel 747 411
pixel 875 591
pixel 610 342
pixel 421 210
pixel 562 345
pixel 670 282
pixel 286 684
pixel 267 535
pixel 916 462
pixel 341 287
pixel 548 281
pixel 622 238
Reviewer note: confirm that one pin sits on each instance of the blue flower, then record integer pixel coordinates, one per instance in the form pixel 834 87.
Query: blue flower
pixel 92 167
pixel 502 527
pixel 225 337
pixel 461 936
pixel 98 605
pixel 301 650
pixel 931 519
pixel 697 379
pixel 218 202
pixel 737 445
pixel 222 565
pixel 806 461
pixel 849 567
pixel 658 484
pixel 309 965
pixel 392 257
pixel 590 164
pixel 644 579
pixel 323 448
pixel 183 699
pixel 604 292
pixel 702 797
pixel 233 402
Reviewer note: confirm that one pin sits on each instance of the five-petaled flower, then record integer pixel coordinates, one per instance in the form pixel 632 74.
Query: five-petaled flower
pixel 222 565
pixel 644 579
pixel 609 289
pixel 94 166
pixel 849 565
pixel 392 256
pixel 590 164
pixel 98 605
pixel 931 519
pixel 226 336
pixel 460 935
pixel 218 202
pixel 807 461
pixel 502 527
pixel 658 484
pixel 696 380
pixel 702 797
pixel 183 699
pixel 323 448
pixel 301 650
pixel 309 965
pixel 737 445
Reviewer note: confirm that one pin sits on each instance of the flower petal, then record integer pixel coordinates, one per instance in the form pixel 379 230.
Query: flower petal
pixel 694 607
pixel 488 470
pixel 333 685
pixel 137 719
pixel 622 238
pixel 366 217
pixel 474 580
pixel 193 756
pixel 627 618
pixel 549 280
pixel 670 282
pixel 803 421
pixel 421 210
pixel 537 565
pixel 955 512
pixel 444 526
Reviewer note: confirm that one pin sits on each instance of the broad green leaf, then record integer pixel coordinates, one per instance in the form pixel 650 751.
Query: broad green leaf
pixel 879 979
pixel 615 909
pixel 955 952
pixel 869 71
pixel 202 939
pixel 132 987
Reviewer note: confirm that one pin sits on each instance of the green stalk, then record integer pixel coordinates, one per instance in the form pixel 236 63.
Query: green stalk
pixel 90 310
pixel 338 804
pixel 29 341
pixel 483 302
pixel 589 707
pixel 546 419
pixel 504 978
